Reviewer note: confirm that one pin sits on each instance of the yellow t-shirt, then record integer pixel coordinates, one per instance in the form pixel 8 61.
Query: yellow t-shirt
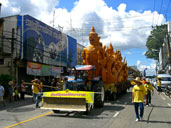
pixel 148 87
pixel 35 88
pixel 159 83
pixel 138 93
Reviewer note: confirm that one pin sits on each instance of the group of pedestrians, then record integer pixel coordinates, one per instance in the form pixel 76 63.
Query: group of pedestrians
pixel 14 92
pixel 141 90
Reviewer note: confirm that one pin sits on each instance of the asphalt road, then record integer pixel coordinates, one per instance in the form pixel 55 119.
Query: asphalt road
pixel 116 114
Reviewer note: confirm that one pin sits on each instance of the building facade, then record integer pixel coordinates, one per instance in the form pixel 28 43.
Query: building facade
pixel 165 54
pixel 29 47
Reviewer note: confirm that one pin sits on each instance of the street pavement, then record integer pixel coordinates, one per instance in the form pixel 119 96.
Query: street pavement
pixel 115 114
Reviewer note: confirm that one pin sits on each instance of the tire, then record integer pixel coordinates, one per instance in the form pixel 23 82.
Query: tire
pixel 99 98
pixel 88 109
pixel 166 92
pixel 55 111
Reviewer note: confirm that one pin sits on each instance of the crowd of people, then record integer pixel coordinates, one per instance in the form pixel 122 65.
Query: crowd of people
pixel 17 90
pixel 143 89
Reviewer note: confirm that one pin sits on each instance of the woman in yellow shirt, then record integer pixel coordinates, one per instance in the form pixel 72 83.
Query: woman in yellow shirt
pixel 138 94
pixel 159 86
pixel 148 88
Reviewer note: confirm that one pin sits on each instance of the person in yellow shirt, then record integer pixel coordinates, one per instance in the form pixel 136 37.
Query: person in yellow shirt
pixel 138 94
pixel 159 86
pixel 36 90
pixel 149 89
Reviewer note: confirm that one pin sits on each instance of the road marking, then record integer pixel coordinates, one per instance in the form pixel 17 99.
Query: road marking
pixel 162 97
pixel 169 104
pixel 29 120
pixel 116 114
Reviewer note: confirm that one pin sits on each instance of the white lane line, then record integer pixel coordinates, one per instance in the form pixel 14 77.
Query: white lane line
pixel 169 104
pixel 116 114
pixel 162 97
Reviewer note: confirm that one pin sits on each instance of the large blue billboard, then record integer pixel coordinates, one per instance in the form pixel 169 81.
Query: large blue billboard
pixel 42 43
pixel 72 52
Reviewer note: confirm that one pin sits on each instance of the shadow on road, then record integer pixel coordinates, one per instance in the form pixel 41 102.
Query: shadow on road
pixel 17 106
pixel 154 121
pixel 94 114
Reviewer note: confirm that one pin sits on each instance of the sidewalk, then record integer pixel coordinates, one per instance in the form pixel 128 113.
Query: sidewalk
pixel 13 104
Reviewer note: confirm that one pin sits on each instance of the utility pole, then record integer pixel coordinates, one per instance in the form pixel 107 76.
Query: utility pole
pixel 12 51
pixel 53 18
pixel 168 45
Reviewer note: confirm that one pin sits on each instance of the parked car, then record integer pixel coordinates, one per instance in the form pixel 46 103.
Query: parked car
pixel 165 80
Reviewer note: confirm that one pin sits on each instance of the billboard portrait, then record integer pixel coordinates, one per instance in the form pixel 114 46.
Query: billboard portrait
pixel 42 43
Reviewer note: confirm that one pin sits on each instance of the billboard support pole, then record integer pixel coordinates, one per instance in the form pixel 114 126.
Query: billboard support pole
pixel 12 51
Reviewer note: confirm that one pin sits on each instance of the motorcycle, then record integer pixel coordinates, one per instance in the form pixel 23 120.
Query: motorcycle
pixel 167 91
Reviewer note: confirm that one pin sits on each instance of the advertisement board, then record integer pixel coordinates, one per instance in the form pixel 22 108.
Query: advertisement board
pixel 37 69
pixel 42 43
pixel 33 69
pixel 72 52
pixel 79 51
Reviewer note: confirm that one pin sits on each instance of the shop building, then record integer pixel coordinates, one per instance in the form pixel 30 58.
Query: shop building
pixel 29 47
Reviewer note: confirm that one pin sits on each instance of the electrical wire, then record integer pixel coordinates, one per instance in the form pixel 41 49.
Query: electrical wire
pixel 153 12
pixel 160 11
pixel 167 10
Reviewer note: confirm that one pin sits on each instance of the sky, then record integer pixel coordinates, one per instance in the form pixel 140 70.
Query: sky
pixel 124 23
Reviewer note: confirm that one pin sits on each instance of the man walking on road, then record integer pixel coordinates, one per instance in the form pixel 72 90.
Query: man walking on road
pixel 36 90
pixel 138 94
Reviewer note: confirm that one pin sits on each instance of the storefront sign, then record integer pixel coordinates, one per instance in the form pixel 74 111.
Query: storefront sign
pixel 33 69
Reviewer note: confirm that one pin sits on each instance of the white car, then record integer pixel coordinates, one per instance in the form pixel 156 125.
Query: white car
pixel 165 80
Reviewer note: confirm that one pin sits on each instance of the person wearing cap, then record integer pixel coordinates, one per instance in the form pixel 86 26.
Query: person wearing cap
pixel 138 94
pixel 159 86
pixel 36 90
pixel 148 88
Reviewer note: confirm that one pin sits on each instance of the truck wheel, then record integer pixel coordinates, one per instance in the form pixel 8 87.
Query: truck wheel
pixel 88 109
pixel 55 111
pixel 100 95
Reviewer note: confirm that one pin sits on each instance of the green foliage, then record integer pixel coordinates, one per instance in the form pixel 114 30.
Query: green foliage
pixel 5 79
pixel 155 41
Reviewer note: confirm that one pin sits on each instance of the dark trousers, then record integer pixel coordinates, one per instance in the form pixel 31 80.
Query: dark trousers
pixel 16 97
pixel 22 95
pixel 136 107
pixel 148 98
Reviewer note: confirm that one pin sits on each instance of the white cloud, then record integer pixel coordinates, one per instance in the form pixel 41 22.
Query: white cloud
pixel 123 29
pixel 128 53
pixel 151 68
pixel 143 53
pixel 138 62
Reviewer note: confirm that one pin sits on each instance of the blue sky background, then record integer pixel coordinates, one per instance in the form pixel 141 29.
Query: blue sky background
pixel 124 23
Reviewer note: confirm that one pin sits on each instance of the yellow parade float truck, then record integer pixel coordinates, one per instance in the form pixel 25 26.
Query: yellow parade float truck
pixel 102 76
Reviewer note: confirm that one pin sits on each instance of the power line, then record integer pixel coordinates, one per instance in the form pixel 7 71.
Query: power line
pixel 167 10
pixel 153 12
pixel 160 11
